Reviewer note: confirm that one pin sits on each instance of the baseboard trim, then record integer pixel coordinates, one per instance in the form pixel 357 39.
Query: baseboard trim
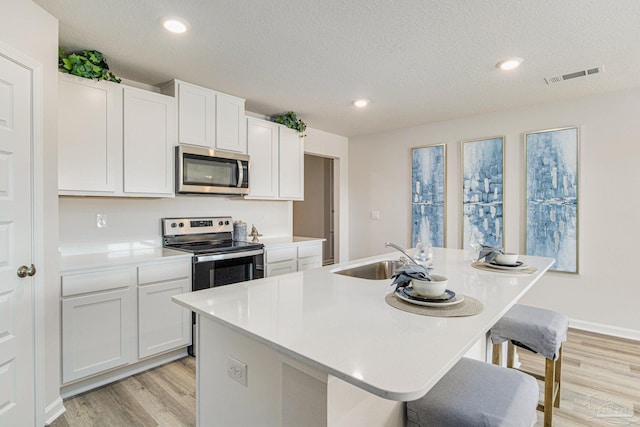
pixel 53 411
pixel 599 328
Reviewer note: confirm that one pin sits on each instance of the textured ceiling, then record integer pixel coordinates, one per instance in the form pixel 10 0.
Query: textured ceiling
pixel 418 61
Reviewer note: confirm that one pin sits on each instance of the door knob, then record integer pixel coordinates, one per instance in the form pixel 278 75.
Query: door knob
pixel 24 271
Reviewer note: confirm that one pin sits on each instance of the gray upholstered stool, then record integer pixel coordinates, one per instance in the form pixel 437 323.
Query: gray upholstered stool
pixel 475 393
pixel 541 331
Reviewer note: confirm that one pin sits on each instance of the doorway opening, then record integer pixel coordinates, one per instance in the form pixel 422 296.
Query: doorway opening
pixel 315 216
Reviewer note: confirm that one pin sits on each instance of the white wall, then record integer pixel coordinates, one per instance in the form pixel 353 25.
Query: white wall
pixel 334 146
pixel 604 295
pixel 26 27
pixel 136 221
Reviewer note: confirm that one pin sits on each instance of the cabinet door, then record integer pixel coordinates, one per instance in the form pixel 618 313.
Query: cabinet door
pixel 96 333
pixel 309 263
pixel 162 324
pixel 262 147
pixel 196 115
pixel 230 125
pixel 149 138
pixel 291 165
pixel 283 267
pixel 89 136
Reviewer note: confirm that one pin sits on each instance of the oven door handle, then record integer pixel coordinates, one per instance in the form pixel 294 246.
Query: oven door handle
pixel 231 255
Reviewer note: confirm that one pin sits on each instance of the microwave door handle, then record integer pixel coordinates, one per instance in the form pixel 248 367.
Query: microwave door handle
pixel 240 174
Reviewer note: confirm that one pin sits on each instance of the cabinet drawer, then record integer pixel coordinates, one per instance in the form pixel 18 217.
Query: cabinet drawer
pixel 82 283
pixel 275 269
pixel 163 272
pixel 310 250
pixel 281 254
pixel 309 262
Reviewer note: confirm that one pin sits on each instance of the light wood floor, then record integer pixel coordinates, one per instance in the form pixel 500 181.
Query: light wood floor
pixel 601 387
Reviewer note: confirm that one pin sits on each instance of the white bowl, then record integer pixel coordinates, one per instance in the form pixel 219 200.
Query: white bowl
pixel 433 288
pixel 506 259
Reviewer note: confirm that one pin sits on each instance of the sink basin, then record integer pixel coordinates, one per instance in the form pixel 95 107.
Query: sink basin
pixel 377 270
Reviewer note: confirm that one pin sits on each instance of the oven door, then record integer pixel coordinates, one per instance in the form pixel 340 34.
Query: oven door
pixel 224 269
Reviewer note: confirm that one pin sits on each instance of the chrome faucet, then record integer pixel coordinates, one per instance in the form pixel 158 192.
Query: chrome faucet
pixel 394 246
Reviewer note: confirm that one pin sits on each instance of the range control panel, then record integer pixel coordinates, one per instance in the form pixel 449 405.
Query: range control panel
pixel 183 226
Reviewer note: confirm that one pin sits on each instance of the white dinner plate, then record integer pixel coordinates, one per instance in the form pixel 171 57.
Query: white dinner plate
pixel 519 266
pixel 453 301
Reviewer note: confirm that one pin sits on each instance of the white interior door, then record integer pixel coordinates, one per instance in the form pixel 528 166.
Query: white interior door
pixel 16 293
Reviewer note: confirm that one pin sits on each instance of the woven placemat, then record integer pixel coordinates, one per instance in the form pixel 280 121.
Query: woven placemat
pixel 482 266
pixel 468 307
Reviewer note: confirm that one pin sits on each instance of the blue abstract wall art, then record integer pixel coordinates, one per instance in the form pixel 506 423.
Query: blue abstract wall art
pixel 552 196
pixel 428 180
pixel 482 192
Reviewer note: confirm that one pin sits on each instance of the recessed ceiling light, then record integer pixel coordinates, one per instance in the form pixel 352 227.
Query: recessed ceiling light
pixel 175 25
pixel 360 103
pixel 509 64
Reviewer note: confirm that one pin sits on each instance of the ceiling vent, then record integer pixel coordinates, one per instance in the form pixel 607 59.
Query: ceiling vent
pixel 574 75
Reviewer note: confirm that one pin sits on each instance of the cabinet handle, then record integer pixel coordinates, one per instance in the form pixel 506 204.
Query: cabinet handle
pixel 24 271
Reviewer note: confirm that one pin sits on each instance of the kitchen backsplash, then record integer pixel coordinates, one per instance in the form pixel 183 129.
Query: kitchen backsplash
pixel 133 223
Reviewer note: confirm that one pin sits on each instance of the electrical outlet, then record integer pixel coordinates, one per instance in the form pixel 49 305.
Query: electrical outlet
pixel 375 214
pixel 237 370
pixel 101 220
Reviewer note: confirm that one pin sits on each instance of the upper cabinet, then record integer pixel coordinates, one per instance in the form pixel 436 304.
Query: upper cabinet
pixel 114 140
pixel 276 169
pixel 207 118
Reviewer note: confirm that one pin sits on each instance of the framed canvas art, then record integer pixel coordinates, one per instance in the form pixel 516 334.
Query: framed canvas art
pixel 428 195
pixel 552 196
pixel 482 192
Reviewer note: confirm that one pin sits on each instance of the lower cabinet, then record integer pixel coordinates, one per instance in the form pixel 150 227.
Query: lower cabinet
pixel 96 333
pixel 117 316
pixel 292 258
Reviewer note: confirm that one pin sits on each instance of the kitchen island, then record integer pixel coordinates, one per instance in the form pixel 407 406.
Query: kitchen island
pixel 316 348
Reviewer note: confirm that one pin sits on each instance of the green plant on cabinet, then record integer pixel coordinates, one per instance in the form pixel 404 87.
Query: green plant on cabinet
pixel 89 64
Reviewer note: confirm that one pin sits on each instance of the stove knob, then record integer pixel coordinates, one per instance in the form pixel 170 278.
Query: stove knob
pixel 226 223
pixel 181 225
pixel 220 223
pixel 174 225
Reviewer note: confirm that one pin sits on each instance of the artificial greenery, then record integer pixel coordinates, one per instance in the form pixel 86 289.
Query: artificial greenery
pixel 89 64
pixel 291 121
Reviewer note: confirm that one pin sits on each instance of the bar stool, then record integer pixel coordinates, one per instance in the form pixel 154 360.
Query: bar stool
pixel 540 331
pixel 476 393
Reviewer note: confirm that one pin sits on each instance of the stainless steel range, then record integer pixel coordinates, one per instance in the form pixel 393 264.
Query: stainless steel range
pixel 218 260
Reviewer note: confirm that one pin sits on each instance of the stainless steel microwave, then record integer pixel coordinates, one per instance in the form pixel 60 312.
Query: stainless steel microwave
pixel 204 171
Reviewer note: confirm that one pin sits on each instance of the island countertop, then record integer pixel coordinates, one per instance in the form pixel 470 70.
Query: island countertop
pixel 343 326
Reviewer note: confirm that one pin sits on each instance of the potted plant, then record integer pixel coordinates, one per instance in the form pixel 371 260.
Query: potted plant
pixel 291 120
pixel 89 64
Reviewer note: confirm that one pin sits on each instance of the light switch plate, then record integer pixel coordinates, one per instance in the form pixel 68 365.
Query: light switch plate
pixel 237 370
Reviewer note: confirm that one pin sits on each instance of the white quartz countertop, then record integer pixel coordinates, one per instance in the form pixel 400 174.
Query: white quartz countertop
pixel 106 259
pixel 343 326
pixel 274 242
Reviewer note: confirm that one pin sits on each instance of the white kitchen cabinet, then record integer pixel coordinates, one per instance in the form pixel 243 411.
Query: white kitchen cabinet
pixel 162 324
pixel 289 258
pixel 122 315
pixel 262 147
pixel 149 138
pixel 90 136
pixel 114 140
pixel 277 161
pixel 98 322
pixel 207 118
pixel 291 165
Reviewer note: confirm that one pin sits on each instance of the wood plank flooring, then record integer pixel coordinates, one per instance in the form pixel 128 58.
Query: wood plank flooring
pixel 601 387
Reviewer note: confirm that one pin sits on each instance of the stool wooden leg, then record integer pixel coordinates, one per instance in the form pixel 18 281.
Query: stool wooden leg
pixel 558 377
pixel 549 377
pixel 496 356
pixel 511 354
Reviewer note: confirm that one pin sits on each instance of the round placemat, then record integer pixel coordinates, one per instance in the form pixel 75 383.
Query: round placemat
pixel 482 266
pixel 468 307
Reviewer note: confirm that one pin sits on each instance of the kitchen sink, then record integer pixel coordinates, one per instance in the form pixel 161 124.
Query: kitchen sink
pixel 376 270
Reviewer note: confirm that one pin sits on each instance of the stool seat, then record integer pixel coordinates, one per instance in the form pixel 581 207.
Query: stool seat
pixel 542 331
pixel 475 393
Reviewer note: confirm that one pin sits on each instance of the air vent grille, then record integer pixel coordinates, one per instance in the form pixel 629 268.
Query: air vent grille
pixel 575 74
